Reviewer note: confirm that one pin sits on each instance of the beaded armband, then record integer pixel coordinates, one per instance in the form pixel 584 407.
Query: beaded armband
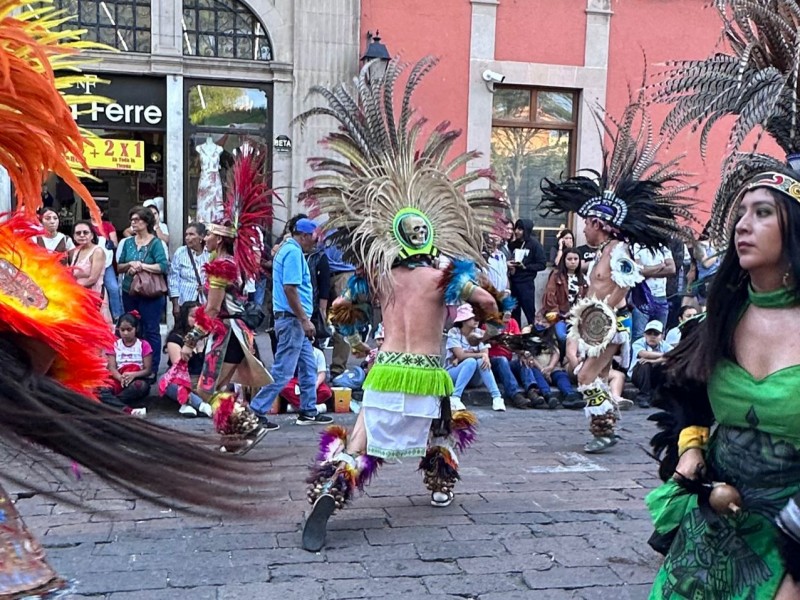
pixel 195 335
pixel 692 437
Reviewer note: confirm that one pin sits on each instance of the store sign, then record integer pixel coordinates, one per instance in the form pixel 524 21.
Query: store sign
pixel 282 143
pixel 137 102
pixel 113 155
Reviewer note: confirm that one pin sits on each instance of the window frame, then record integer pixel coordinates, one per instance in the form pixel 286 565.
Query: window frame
pixel 94 29
pixel 239 10
pixel 532 123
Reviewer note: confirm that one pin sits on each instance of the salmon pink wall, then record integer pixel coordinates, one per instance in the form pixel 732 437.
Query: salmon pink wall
pixel 541 31
pixel 415 28
pixel 666 30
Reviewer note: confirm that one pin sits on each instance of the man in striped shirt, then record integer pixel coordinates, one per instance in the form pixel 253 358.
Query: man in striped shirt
pixel 186 280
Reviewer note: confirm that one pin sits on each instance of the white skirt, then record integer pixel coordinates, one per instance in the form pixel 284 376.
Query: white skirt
pixel 398 424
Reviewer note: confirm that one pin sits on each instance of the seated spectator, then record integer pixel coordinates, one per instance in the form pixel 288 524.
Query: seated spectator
pixel 516 377
pixel 547 370
pixel 291 393
pixel 674 334
pixel 565 286
pixel 191 403
pixel 129 364
pixel 468 359
pixel 647 351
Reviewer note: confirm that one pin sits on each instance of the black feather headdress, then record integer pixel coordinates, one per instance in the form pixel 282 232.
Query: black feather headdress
pixel 639 199
pixel 756 81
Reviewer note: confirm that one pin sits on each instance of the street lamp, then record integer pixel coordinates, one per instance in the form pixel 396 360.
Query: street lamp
pixel 378 55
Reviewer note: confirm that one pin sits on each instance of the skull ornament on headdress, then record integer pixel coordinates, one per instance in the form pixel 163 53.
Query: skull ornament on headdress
pixel 414 231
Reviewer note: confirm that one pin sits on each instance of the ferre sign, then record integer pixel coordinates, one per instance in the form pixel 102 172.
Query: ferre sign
pixel 137 102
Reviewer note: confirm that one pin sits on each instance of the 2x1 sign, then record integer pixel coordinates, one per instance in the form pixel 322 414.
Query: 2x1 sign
pixel 114 155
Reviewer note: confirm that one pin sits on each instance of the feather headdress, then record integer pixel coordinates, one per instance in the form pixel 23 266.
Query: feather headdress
pixel 636 197
pixel 389 194
pixel 756 82
pixel 37 130
pixel 248 209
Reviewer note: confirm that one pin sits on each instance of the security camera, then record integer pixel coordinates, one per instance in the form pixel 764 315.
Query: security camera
pixel 490 76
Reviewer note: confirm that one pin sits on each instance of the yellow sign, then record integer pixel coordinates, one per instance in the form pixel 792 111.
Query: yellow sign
pixel 115 155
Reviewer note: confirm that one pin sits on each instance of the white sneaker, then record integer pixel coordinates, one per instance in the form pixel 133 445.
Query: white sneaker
pixel 205 409
pixel 140 413
pixel 498 403
pixel 456 404
pixel 290 408
pixel 187 411
pixel 322 408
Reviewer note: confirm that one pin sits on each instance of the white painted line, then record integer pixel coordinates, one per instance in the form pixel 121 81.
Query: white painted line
pixel 573 463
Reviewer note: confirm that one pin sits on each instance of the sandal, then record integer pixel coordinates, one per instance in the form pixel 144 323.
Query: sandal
pixel 599 444
pixel 316 525
pixel 241 446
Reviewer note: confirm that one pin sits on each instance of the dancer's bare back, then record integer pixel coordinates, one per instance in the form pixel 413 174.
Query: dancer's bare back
pixel 414 318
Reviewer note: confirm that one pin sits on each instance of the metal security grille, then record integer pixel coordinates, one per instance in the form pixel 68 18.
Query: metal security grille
pixel 224 29
pixel 121 24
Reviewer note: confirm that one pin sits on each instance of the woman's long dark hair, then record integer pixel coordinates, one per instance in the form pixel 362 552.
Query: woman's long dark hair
pixel 162 465
pixel 562 266
pixel 727 295
pixel 182 322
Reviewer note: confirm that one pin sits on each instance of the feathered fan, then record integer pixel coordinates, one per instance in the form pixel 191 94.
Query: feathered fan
pixel 380 166
pixel 756 81
pixel 639 197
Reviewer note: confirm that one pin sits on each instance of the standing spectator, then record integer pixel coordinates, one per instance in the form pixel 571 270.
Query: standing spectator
pixel 525 263
pixel 143 253
pixel 565 286
pixel 676 284
pixel 53 239
pixel 292 298
pixel 588 253
pixel 564 241
pixel 320 270
pixel 656 266
pixel 186 275
pixel 506 238
pixel 707 259
pixel 647 351
pixel 110 279
pixel 468 359
pixel 341 272
pixel 88 262
pixel 674 334
pixel 129 364
pixel 498 263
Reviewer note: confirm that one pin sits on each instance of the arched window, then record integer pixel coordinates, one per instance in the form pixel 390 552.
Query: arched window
pixel 223 28
pixel 121 24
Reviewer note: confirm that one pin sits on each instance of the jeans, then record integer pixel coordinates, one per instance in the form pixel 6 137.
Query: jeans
pixel 511 374
pixel 111 283
pixel 659 311
pixel 561 380
pixel 150 313
pixel 172 393
pixel 294 353
pixel 261 291
pixel 468 370
pixel 525 295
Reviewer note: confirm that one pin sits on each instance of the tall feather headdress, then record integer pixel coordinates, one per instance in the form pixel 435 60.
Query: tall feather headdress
pixel 37 130
pixel 247 209
pixel 639 199
pixel 755 81
pixel 388 193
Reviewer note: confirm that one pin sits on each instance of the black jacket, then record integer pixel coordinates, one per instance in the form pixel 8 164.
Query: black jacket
pixel 534 262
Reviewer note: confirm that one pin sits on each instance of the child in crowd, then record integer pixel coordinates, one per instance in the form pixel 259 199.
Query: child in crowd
pixel 370 360
pixel 468 358
pixel 130 364
pixel 674 335
pixel 291 393
pixel 178 385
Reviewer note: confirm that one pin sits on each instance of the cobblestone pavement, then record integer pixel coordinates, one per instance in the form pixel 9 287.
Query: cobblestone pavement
pixel 534 518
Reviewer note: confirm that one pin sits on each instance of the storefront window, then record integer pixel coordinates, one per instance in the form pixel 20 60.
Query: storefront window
pixel 222 120
pixel 122 24
pixel 225 29
pixel 533 136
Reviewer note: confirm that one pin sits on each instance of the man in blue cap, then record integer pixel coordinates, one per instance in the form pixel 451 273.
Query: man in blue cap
pixel 292 301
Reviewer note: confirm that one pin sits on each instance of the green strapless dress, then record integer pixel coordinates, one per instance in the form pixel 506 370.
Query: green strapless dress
pixel 756 449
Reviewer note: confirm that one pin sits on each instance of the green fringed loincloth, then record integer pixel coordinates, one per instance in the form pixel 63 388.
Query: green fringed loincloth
pixel 418 374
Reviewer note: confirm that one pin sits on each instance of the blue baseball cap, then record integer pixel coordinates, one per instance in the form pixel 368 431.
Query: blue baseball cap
pixel 305 226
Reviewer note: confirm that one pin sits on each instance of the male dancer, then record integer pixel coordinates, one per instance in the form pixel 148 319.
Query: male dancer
pixel 634 200
pixel 394 208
